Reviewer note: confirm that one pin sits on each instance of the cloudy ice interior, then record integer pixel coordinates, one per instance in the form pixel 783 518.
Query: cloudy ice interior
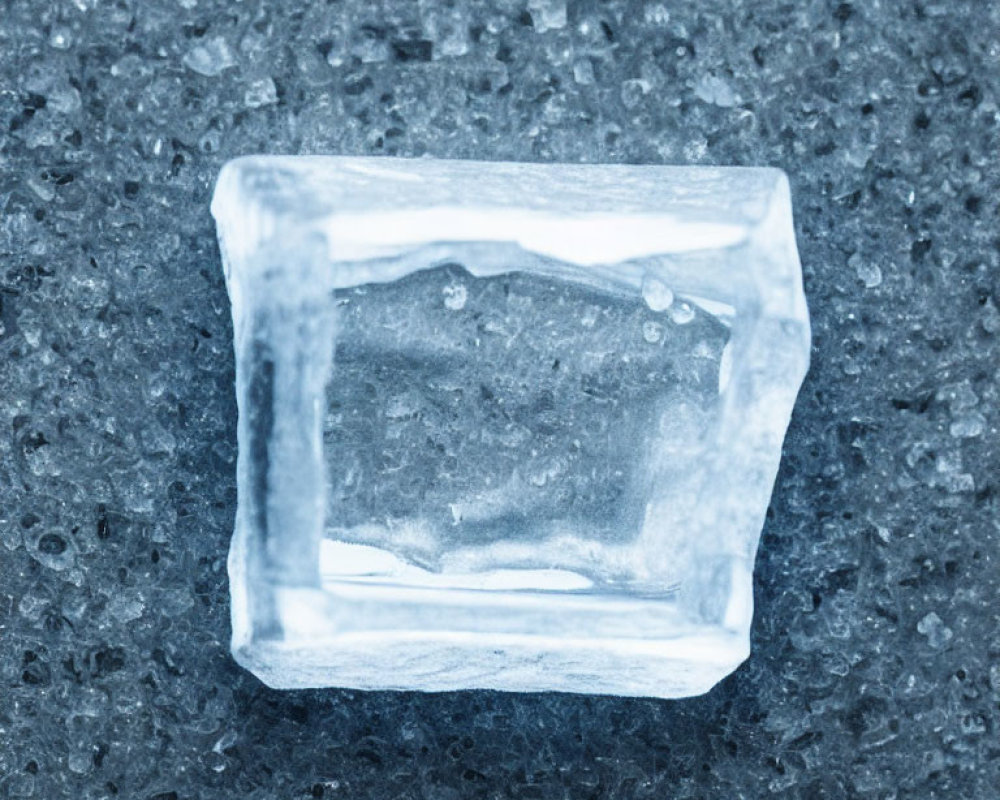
pixel 508 432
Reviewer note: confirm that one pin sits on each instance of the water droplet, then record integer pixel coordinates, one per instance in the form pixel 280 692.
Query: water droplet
pixel 656 294
pixel 652 331
pixel 682 313
pixel 455 297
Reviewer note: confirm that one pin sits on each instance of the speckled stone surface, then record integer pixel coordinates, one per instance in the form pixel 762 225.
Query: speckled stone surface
pixel 876 663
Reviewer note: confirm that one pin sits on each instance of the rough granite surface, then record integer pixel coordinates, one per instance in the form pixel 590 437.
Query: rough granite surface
pixel 876 647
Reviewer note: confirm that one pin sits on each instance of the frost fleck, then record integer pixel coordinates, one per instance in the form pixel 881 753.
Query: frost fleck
pixel 869 274
pixel 714 90
pixel 547 15
pixel 211 58
pixel 968 426
pixel 455 297
pixel 583 72
pixel 937 633
pixel 260 93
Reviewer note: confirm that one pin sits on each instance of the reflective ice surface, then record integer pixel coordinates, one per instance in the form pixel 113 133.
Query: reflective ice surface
pixel 501 425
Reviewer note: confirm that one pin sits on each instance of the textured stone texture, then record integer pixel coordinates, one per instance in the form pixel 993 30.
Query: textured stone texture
pixel 876 666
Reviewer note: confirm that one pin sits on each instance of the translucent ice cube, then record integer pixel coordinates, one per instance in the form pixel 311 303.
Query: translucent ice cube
pixel 511 426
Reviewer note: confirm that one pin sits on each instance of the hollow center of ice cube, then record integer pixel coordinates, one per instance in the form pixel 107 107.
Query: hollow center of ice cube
pixel 513 431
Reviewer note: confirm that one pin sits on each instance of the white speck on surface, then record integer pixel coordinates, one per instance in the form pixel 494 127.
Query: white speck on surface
pixel 211 58
pixel 583 72
pixel 938 634
pixel 714 90
pixel 968 426
pixel 33 336
pixel 370 49
pixel 547 15
pixel 261 92
pixel 656 14
pixel 60 38
pixel 226 741
pixel 455 297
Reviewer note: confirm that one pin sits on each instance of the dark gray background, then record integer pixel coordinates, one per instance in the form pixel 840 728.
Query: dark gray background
pixel 876 647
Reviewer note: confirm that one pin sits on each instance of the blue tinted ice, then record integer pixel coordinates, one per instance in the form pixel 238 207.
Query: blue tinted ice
pixel 511 426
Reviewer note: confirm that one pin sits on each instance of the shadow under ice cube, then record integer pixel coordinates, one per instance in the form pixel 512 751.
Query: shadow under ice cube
pixel 511 426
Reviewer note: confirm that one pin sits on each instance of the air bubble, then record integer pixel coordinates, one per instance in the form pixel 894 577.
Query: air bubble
pixel 656 294
pixel 682 313
pixel 652 331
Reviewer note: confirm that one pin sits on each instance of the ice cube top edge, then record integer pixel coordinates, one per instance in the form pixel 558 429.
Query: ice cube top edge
pixel 585 214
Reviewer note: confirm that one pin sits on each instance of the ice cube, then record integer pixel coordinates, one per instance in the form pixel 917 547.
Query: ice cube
pixel 510 426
